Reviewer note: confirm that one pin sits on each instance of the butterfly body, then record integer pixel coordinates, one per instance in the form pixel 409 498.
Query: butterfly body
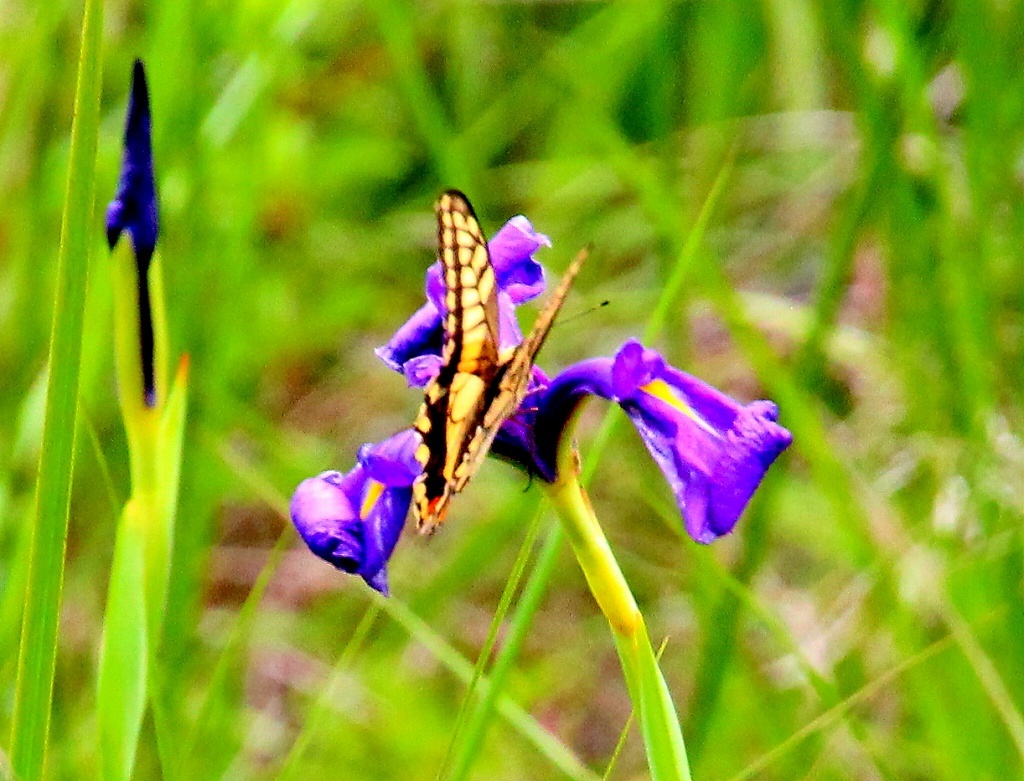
pixel 477 389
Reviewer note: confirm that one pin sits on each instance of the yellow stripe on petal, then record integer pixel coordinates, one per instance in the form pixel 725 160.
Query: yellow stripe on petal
pixel 373 492
pixel 663 391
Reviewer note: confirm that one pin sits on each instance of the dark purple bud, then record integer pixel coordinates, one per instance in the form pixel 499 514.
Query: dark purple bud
pixel 134 209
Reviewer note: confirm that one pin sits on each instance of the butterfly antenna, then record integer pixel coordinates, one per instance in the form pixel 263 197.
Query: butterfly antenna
pixel 589 310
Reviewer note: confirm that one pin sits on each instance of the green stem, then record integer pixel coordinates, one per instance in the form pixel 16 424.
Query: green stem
pixel 659 722
pixel 604 577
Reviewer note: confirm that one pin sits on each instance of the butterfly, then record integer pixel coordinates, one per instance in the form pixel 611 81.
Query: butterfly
pixel 477 389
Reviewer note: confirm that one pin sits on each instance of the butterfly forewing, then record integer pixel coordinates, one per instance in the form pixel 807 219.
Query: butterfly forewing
pixel 455 402
pixel 471 302
pixel 522 360
pixel 474 392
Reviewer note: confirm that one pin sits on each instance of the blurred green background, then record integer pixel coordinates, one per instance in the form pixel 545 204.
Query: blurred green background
pixel 862 267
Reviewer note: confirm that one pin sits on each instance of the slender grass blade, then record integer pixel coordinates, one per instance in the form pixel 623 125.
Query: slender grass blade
pixel 38 650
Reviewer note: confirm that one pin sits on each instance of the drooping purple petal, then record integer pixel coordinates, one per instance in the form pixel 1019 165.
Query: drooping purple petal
pixel 393 461
pixel 751 445
pixel 634 366
pixel 509 333
pixel 353 521
pixel 713 451
pixel 384 524
pixel 557 403
pixel 637 366
pixel 435 286
pixel 327 521
pixel 720 450
pixel 419 371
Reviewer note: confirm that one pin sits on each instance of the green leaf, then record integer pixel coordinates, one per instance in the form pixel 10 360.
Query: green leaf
pixel 121 693
pixel 160 537
pixel 38 651
pixel 474 714
pixel 659 721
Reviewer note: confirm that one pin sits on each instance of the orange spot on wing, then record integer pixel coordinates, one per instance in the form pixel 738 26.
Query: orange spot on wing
pixel 436 510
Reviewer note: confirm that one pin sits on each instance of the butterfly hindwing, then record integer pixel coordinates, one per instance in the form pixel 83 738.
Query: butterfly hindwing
pixel 474 392
pixel 515 377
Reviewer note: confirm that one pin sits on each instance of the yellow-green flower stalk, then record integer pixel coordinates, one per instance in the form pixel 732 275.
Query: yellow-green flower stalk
pixel 154 419
pixel 656 714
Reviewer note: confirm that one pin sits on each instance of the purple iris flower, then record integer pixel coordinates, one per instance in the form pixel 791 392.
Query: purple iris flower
pixel 353 521
pixel 415 349
pixel 134 210
pixel 713 451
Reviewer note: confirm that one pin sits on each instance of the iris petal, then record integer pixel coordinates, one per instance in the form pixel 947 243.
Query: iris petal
pixel 353 521
pixel 713 451
pixel 393 461
pixel 421 334
pixel 327 522
pixel 509 333
pixel 634 367
pixel 134 208
pixel 384 526
pixel 421 370
pixel 557 403
pixel 511 250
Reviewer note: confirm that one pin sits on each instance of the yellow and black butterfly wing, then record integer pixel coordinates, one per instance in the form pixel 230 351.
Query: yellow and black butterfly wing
pixel 456 401
pixel 474 392
pixel 515 377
